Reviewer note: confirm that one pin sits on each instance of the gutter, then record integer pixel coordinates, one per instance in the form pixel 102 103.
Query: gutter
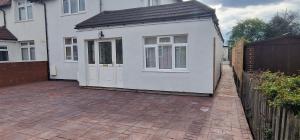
pixel 100 8
pixel 4 17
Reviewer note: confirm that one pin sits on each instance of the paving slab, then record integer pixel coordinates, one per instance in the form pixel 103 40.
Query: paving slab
pixel 60 110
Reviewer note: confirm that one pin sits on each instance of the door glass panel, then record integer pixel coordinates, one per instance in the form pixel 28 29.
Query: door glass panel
pixel 91 52
pixel 119 51
pixel 105 53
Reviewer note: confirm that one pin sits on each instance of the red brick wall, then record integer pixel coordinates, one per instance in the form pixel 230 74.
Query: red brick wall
pixel 22 72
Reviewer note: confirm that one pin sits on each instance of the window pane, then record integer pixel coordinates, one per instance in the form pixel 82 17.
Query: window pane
pixel 29 12
pixel 66 6
pixel 180 57
pixel 119 51
pixel 74 40
pixel 91 52
pixel 3 48
pixel 105 53
pixel 68 53
pixel 165 57
pixel 150 58
pixel 22 13
pixel 24 44
pixel 74 6
pixel 75 53
pixel 164 39
pixel 31 43
pixel 150 40
pixel 3 55
pixel 32 53
pixel 25 55
pixel 21 3
pixel 180 39
pixel 81 5
pixel 68 41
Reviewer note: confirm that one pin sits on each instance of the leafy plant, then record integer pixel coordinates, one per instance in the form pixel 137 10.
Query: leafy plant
pixel 281 90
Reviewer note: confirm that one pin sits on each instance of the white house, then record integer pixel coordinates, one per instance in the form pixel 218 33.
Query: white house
pixel 163 45
pixel 62 17
pixel 174 47
pixel 25 20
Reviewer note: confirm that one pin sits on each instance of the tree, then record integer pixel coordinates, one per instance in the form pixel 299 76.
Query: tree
pixel 281 24
pixel 250 29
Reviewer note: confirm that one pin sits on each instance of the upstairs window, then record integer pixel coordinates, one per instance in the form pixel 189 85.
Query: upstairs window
pixel 28 51
pixel 71 50
pixel 73 6
pixel 165 52
pixel 24 10
pixel 3 53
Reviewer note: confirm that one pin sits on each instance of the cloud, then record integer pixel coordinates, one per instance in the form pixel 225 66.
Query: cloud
pixel 230 12
pixel 239 3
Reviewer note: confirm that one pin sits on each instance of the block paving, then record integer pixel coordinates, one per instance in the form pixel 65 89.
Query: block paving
pixel 57 110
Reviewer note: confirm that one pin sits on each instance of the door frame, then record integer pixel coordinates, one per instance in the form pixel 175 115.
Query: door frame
pixel 98 65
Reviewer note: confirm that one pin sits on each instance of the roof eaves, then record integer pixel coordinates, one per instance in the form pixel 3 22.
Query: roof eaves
pixel 153 20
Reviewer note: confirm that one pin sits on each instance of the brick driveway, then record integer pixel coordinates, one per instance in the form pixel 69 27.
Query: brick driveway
pixel 62 110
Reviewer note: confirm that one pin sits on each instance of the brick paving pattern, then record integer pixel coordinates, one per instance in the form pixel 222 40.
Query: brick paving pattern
pixel 63 111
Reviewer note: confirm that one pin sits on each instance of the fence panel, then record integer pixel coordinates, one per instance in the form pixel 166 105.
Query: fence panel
pixel 265 121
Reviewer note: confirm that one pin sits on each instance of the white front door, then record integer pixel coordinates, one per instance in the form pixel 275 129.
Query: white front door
pixel 105 63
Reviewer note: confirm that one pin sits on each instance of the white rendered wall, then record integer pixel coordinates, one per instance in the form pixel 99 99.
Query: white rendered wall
pixel 218 55
pixel 199 60
pixel 28 30
pixel 125 4
pixel 60 26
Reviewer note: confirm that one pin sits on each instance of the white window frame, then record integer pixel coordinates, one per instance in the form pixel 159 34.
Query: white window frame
pixel 69 8
pixel 4 50
pixel 28 46
pixel 25 5
pixel 72 49
pixel 156 46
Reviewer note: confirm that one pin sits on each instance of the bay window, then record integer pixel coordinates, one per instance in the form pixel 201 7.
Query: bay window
pixel 165 52
pixel 73 6
pixel 28 51
pixel 3 53
pixel 71 49
pixel 24 10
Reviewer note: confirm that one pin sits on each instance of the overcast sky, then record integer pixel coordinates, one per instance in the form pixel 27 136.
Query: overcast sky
pixel 230 12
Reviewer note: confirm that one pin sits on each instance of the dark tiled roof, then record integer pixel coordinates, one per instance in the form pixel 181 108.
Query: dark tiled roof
pixel 6 34
pixel 4 3
pixel 168 12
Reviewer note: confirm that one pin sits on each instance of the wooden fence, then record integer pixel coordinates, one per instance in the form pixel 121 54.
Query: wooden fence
pixel 267 122
pixel 277 54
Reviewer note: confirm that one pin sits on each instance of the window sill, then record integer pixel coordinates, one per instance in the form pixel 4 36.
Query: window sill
pixel 22 21
pixel 70 61
pixel 73 14
pixel 167 71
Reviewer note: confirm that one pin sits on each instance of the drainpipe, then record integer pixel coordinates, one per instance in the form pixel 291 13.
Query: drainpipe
pixel 100 6
pixel 4 17
pixel 46 32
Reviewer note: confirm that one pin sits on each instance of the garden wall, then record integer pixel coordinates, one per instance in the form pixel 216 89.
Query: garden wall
pixel 22 73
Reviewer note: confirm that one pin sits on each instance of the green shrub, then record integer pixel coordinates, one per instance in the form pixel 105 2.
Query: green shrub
pixel 281 90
